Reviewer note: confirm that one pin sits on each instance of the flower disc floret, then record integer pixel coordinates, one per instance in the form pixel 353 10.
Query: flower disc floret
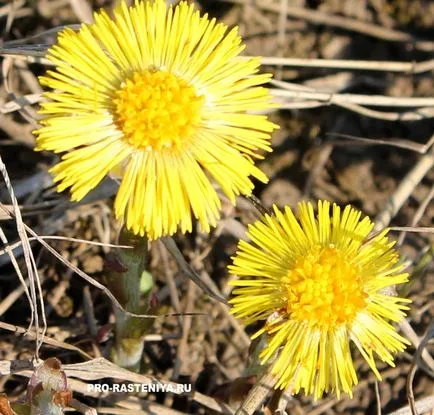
pixel 324 289
pixel 156 110
pixel 319 283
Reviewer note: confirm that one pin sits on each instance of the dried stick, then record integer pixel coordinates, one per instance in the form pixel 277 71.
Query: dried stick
pixel 404 190
pixel 418 214
pixel 414 338
pixel 64 238
pixel 360 65
pixel 409 384
pixel 422 406
pixel 373 100
pixel 81 407
pixel 45 339
pixel 395 142
pixel 182 350
pixel 18 103
pixel 413 115
pixel 416 115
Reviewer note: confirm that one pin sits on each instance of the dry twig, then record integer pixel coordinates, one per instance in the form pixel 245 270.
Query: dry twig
pixel 348 64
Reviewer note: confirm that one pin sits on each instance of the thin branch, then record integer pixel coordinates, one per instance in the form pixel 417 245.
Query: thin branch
pixel 377 397
pixel 418 214
pixel 415 115
pixel 18 103
pixel 347 64
pixel 409 384
pixel 419 229
pixel 422 406
pixel 395 142
pixel 65 238
pixel 373 100
pixel 404 190
pixel 45 339
pixel 411 115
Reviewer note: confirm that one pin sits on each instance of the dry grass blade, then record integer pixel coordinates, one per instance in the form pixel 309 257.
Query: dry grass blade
pixel 26 41
pixel 414 338
pixel 418 214
pixel 8 367
pixel 360 99
pixel 404 190
pixel 281 35
pixel 422 406
pixel 25 109
pixel 26 55
pixel 263 386
pixel 34 53
pixel 62 238
pixel 409 115
pixel 11 11
pixel 47 340
pixel 418 357
pixel 377 397
pixel 36 305
pixel 393 142
pixel 256 203
pixel 416 115
pixel 137 405
pixel 120 411
pixel 19 273
pixel 171 246
pixel 416 361
pixel 82 10
pixel 81 407
pixel 18 103
pixel 419 229
pixel 182 349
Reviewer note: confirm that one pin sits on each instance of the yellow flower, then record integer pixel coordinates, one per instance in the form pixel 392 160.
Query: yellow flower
pixel 160 98
pixel 319 283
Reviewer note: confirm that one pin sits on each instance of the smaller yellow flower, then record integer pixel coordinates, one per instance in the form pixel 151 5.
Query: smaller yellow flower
pixel 319 283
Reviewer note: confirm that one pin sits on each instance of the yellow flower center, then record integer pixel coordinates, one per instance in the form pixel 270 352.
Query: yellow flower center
pixel 157 110
pixel 323 289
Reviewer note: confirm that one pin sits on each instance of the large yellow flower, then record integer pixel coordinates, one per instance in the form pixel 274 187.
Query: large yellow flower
pixel 158 97
pixel 319 283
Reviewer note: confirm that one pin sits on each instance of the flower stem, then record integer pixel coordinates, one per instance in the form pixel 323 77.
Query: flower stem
pixel 126 273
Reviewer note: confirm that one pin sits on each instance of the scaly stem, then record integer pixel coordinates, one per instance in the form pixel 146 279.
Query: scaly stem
pixel 124 278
